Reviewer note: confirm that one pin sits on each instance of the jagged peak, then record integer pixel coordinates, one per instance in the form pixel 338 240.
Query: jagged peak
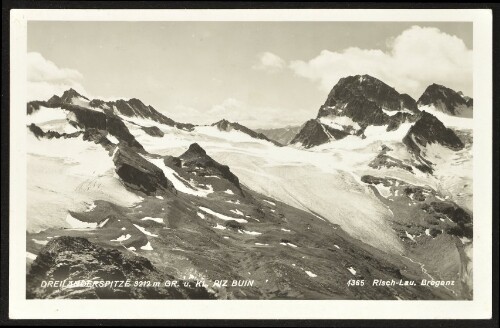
pixel 222 121
pixel 436 86
pixel 70 93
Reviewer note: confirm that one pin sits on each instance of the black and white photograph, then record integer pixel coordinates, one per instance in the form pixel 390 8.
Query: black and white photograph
pixel 238 159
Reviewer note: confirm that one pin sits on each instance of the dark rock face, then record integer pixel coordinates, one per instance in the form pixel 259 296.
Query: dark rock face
pixel 363 99
pixel 456 214
pixel 67 97
pixel 428 129
pixel 76 259
pixel 90 119
pixel 196 159
pixel 434 210
pixel 313 133
pixel 234 225
pixel 153 131
pixel 447 100
pixel 225 125
pixel 135 107
pixel 131 107
pixel 370 89
pixel 383 160
pixel 33 106
pixel 139 174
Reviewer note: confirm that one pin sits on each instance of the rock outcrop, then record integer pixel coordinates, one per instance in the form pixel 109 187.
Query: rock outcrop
pixel 92 272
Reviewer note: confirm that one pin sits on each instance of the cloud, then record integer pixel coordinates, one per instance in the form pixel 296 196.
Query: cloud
pixel 269 62
pixel 46 79
pixel 416 58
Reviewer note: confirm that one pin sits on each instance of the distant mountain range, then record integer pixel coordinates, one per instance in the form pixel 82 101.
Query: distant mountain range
pixel 282 135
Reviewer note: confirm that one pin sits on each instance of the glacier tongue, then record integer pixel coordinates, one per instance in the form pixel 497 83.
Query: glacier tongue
pixel 320 181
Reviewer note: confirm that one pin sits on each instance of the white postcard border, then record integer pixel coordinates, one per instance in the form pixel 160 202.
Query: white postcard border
pixel 479 308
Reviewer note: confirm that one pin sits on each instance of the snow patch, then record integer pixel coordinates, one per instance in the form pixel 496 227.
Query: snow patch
pixel 412 237
pixel 144 231
pixel 220 227
pixel 122 238
pixel 103 223
pixel 40 242
pixel 221 216
pixel 289 244
pixel 158 220
pixel 147 247
pixel 310 274
pixel 238 212
pixel 113 139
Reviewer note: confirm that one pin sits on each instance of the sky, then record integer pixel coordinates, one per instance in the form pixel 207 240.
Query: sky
pixel 260 74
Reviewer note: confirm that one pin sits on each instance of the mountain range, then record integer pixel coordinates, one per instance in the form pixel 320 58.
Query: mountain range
pixel 372 188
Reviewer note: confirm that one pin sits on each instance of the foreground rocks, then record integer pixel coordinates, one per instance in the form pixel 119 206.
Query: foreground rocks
pixel 76 259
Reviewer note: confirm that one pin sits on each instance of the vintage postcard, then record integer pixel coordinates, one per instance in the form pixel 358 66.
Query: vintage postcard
pixel 251 164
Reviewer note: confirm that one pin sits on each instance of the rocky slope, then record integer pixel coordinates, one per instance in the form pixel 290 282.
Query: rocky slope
pixel 447 101
pixel 314 133
pixel 85 269
pixel 426 131
pixel 426 221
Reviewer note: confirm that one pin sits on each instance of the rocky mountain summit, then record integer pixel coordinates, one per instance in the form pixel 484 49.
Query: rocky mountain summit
pixel 355 103
pixel 447 101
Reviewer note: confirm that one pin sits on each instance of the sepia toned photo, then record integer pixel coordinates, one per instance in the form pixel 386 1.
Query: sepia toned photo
pixel 196 159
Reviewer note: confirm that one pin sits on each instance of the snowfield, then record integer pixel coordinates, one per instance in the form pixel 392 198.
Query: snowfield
pixel 322 180
pixel 461 123
pixel 68 174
